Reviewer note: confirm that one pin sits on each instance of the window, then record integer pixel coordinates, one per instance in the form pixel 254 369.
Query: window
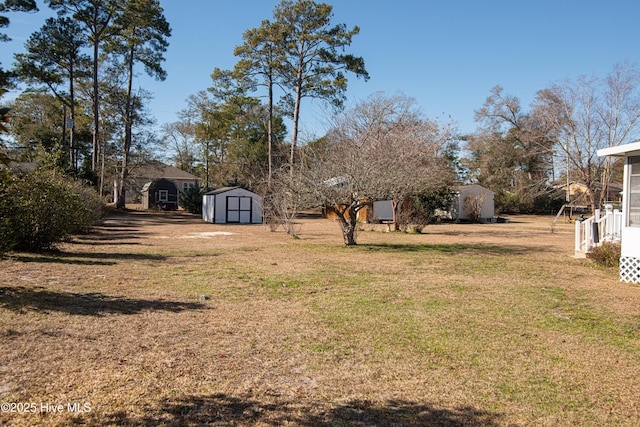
pixel 187 185
pixel 634 191
pixel 163 195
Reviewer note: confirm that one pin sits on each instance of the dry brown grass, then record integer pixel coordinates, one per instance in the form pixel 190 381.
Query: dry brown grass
pixel 162 319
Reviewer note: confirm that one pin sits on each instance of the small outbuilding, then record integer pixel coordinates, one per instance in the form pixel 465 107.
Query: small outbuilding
pixel 473 202
pixel 232 205
pixel 160 194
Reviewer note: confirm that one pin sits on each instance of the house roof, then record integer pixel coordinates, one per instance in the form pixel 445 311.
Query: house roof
pixel 620 150
pixel 155 169
pixel 21 166
pixel 615 186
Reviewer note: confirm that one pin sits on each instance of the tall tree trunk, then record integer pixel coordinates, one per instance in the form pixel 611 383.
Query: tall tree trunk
pixel 206 164
pixel 128 119
pixel 96 108
pixel 296 119
pixel 72 112
pixel 122 191
pixel 270 132
pixel 63 142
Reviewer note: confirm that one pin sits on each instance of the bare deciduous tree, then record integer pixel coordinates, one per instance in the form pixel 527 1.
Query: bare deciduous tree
pixel 283 202
pixel 588 115
pixel 472 205
pixel 511 153
pixel 179 140
pixel 383 149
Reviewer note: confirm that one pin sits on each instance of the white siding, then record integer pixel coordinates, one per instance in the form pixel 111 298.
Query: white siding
pixel 236 205
pixel 488 207
pixel 207 207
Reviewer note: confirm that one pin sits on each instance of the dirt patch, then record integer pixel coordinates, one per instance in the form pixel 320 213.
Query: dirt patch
pixel 207 234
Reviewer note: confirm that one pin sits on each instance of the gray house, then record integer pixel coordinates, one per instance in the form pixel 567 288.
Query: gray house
pixel 160 194
pixel 142 177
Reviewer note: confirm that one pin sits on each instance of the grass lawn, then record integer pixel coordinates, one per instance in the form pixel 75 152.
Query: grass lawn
pixel 162 319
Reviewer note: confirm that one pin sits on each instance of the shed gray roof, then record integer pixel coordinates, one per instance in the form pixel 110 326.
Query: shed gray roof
pixel 226 189
pixel 220 190
pixel 460 188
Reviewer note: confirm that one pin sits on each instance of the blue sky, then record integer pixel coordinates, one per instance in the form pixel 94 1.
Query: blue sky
pixel 447 54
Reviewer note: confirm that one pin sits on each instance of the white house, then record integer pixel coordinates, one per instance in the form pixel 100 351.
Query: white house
pixel 232 205
pixel 468 198
pixel 630 234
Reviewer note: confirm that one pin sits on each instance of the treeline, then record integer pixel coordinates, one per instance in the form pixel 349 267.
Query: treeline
pixel 81 116
pixel 525 155
pixel 81 112
pixel 234 132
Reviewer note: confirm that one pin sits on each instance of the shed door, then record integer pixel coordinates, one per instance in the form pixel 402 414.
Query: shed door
pixel 239 209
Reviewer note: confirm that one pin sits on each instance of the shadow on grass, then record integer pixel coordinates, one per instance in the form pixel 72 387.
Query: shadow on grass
pixel 85 258
pixel 221 409
pixel 121 227
pixel 105 234
pixel 444 248
pixel 116 241
pixel 134 218
pixel 100 235
pixel 22 299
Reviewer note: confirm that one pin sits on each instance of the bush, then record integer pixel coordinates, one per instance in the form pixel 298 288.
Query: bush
pixel 42 209
pixel 7 241
pixel 606 255
pixel 417 210
pixel 191 199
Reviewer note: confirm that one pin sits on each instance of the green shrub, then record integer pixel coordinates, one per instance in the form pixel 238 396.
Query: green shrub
pixel 418 209
pixel 42 209
pixel 191 199
pixel 606 255
pixel 7 240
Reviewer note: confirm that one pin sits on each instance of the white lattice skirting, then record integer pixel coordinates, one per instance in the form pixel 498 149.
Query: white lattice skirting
pixel 630 270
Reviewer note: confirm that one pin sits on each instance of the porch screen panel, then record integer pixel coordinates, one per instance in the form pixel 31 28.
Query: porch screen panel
pixel 634 192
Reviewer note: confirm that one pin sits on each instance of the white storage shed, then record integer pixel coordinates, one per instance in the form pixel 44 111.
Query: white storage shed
pixel 473 197
pixel 232 205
